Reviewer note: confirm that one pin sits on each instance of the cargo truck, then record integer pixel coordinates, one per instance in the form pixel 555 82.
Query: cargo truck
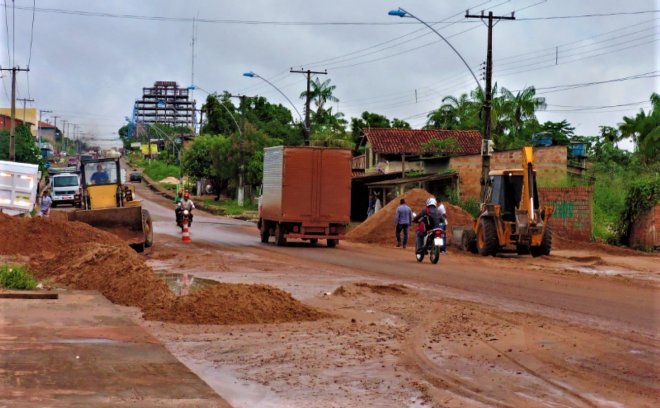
pixel 306 194
pixel 18 187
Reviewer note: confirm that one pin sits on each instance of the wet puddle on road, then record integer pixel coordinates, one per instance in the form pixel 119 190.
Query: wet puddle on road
pixel 182 284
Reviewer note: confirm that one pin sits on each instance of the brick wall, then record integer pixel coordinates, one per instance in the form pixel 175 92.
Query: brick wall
pixel 644 233
pixel 572 218
pixel 550 163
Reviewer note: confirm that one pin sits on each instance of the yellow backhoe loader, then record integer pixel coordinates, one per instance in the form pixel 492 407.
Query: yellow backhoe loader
pixel 107 203
pixel 510 215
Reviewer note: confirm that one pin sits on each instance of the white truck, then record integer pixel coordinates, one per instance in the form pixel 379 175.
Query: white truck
pixel 64 187
pixel 18 187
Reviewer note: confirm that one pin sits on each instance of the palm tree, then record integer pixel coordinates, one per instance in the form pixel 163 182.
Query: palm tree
pixel 644 129
pixel 521 107
pixel 320 93
pixel 454 113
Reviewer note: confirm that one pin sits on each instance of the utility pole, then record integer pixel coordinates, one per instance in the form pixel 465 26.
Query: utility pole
pixel 24 100
pixel 12 129
pixel 240 195
pixel 308 96
pixel 55 120
pixel 485 146
pixel 39 124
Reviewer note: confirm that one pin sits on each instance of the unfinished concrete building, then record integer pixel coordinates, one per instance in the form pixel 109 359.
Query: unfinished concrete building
pixel 165 103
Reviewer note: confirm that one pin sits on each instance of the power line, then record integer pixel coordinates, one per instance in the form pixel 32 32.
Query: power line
pixel 620 13
pixel 294 22
pixel 34 4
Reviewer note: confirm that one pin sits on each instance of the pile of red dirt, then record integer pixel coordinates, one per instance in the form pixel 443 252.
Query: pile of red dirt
pixel 380 227
pixel 226 303
pixel 83 257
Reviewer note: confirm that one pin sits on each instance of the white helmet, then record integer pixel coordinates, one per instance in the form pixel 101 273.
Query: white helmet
pixel 431 202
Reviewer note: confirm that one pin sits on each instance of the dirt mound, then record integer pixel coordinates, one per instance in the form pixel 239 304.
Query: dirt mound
pixel 361 288
pixel 380 228
pixel 29 236
pixel 83 257
pixel 235 304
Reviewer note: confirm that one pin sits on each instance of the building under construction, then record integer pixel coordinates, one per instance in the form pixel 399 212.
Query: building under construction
pixel 165 103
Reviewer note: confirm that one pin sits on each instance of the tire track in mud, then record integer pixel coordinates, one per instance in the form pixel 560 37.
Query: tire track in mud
pixel 418 363
pixel 560 365
pixel 542 378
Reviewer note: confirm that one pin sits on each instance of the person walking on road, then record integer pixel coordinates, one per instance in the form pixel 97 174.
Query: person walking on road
pixel 371 209
pixel 402 219
pixel 45 204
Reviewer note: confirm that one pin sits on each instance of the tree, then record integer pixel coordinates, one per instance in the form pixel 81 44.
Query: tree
pixel 27 150
pixel 454 113
pixel 644 131
pixel 400 124
pixel 560 132
pixel 320 93
pixel 365 121
pixel 521 107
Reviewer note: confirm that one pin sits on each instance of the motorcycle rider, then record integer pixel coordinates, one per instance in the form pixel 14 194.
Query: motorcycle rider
pixel 428 219
pixel 185 204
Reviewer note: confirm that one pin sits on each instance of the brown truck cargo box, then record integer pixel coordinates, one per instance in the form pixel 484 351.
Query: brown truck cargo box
pixel 306 188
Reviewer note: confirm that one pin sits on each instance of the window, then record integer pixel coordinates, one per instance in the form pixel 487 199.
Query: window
pixel 65 181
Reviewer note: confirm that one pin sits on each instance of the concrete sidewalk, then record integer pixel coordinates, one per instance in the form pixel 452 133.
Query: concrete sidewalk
pixel 81 351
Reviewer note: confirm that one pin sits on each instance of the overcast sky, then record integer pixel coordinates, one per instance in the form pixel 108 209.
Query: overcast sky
pixel 90 59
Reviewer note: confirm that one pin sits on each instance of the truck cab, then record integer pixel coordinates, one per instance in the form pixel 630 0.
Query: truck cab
pixel 64 188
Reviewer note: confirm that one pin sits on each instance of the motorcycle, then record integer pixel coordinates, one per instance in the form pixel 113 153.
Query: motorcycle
pixel 183 217
pixel 435 242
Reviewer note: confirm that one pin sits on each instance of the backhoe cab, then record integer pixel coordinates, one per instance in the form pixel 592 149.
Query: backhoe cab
pixel 107 203
pixel 511 215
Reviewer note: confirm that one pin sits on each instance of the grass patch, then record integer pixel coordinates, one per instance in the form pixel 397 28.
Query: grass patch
pixel 158 170
pixel 231 207
pixel 168 186
pixel 16 277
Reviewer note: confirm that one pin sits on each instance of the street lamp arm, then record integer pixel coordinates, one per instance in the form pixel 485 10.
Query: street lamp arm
pixel 403 13
pixel 251 74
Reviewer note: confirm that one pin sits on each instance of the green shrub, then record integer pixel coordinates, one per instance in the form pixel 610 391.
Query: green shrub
pixel 16 277
pixel 158 170
pixel 641 196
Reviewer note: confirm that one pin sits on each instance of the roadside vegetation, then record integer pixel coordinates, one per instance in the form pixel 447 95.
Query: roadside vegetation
pixel 221 152
pixel 16 277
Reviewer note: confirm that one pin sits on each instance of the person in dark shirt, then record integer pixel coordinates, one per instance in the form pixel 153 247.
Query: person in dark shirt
pixel 428 219
pixel 100 176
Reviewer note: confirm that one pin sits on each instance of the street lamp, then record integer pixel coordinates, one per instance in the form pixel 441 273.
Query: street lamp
pixel 251 74
pixel 485 158
pixel 240 193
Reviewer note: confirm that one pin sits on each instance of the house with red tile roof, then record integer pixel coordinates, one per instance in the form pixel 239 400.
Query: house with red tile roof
pixel 398 159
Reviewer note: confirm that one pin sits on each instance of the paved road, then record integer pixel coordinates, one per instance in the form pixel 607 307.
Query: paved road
pixel 616 304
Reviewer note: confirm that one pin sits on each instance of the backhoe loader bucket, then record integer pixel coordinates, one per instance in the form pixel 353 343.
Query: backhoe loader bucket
pixel 132 224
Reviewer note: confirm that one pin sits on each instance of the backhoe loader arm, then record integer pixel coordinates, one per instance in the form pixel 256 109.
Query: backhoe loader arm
pixel 527 196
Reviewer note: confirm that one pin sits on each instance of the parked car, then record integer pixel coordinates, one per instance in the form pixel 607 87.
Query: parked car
pixel 73 161
pixel 135 176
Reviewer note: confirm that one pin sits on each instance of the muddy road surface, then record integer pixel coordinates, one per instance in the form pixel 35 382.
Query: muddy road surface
pixel 577 328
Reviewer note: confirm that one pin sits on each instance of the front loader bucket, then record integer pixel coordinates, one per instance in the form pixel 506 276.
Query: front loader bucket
pixel 125 222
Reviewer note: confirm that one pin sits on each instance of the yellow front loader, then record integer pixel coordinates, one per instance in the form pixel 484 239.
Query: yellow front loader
pixel 511 214
pixel 107 203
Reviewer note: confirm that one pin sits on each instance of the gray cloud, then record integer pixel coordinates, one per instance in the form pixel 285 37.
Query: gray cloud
pixel 90 70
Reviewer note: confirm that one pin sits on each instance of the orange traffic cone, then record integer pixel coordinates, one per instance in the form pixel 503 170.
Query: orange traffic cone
pixel 185 235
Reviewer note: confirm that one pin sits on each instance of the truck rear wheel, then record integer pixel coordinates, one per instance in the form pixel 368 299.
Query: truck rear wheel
pixel 332 243
pixel 280 240
pixel 487 243
pixel 264 231
pixel 546 243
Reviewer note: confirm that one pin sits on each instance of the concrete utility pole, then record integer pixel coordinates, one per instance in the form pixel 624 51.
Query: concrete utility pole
pixel 485 154
pixel 240 195
pixel 308 96
pixel 12 129
pixel 24 100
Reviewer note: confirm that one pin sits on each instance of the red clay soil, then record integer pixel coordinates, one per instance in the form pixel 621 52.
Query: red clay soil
pixel 380 227
pixel 82 257
pixel 235 304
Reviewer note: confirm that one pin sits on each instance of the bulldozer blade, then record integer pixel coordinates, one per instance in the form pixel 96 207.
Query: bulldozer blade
pixel 125 222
